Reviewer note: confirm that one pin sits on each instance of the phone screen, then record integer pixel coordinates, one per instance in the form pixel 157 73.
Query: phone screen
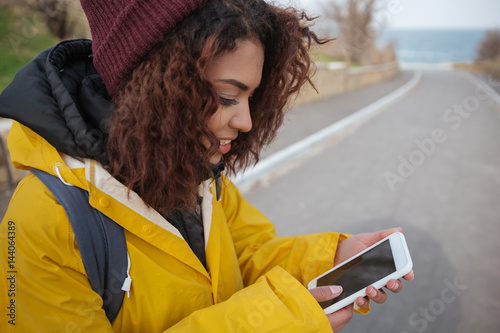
pixel 360 272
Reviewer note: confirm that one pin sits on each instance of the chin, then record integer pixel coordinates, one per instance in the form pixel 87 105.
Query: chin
pixel 215 158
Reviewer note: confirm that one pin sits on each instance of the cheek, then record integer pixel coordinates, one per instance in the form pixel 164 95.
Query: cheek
pixel 216 121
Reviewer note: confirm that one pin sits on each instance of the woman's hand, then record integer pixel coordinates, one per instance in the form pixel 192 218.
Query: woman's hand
pixel 380 296
pixel 346 249
pixel 342 317
pixel 339 318
pixel 355 244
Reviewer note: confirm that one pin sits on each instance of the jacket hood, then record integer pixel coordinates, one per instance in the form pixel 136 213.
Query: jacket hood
pixel 60 96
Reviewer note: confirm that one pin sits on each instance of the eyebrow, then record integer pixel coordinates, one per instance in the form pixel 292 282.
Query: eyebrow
pixel 235 83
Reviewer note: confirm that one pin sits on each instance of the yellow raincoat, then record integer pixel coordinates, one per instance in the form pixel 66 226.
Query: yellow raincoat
pixel 255 281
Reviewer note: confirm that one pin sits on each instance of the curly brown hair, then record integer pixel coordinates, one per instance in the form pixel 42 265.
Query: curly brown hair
pixel 155 141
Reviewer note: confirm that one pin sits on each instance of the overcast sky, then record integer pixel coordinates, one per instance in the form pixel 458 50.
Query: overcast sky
pixel 450 14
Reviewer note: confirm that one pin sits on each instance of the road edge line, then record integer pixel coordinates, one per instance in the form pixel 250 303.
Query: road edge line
pixel 480 82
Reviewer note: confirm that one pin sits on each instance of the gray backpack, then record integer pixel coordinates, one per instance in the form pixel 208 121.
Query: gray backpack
pixel 100 240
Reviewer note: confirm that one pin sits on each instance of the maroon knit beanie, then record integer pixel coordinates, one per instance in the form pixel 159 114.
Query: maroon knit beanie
pixel 123 31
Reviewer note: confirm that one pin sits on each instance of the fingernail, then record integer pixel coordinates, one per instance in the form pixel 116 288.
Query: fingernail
pixel 336 290
pixel 395 285
pixel 371 292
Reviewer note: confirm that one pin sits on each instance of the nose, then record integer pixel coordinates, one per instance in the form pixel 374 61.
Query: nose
pixel 242 119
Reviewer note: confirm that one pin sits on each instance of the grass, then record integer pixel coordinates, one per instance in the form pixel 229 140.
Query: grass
pixel 323 57
pixel 488 67
pixel 22 37
pixel 320 56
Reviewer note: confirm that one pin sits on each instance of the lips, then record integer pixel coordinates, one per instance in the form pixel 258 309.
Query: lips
pixel 224 146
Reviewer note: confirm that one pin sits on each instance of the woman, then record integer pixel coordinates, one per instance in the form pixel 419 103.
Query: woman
pixel 168 94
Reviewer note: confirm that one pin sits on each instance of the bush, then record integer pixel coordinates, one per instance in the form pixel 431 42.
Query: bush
pixel 489 47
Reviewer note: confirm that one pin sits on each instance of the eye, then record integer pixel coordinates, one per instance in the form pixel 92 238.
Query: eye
pixel 227 101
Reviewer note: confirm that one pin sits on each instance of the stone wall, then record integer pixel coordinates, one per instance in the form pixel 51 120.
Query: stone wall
pixel 336 78
pixel 485 67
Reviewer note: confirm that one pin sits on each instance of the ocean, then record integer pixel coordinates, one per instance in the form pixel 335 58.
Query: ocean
pixel 432 45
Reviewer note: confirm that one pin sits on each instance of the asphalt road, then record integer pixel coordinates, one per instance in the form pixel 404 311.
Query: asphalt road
pixel 307 119
pixel 430 164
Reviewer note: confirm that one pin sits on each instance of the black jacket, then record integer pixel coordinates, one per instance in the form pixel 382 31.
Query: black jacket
pixel 61 97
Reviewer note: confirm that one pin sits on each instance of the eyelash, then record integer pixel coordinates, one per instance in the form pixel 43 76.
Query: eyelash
pixel 231 102
pixel 227 101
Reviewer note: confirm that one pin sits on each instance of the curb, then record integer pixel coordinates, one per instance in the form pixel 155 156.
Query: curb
pixel 478 82
pixel 268 167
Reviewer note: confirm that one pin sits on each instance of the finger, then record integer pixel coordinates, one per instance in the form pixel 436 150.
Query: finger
pixel 378 296
pixel 362 302
pixel 410 276
pixel 384 233
pixel 340 318
pixel 326 293
pixel 394 285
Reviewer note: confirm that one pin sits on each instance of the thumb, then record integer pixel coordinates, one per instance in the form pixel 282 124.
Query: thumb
pixel 326 293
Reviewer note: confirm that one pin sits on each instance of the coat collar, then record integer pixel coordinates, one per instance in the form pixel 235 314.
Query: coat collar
pixel 113 199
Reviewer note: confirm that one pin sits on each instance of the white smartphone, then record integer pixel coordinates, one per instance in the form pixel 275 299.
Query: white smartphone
pixel 381 262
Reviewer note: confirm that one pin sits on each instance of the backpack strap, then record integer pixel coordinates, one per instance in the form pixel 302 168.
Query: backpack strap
pixel 100 240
